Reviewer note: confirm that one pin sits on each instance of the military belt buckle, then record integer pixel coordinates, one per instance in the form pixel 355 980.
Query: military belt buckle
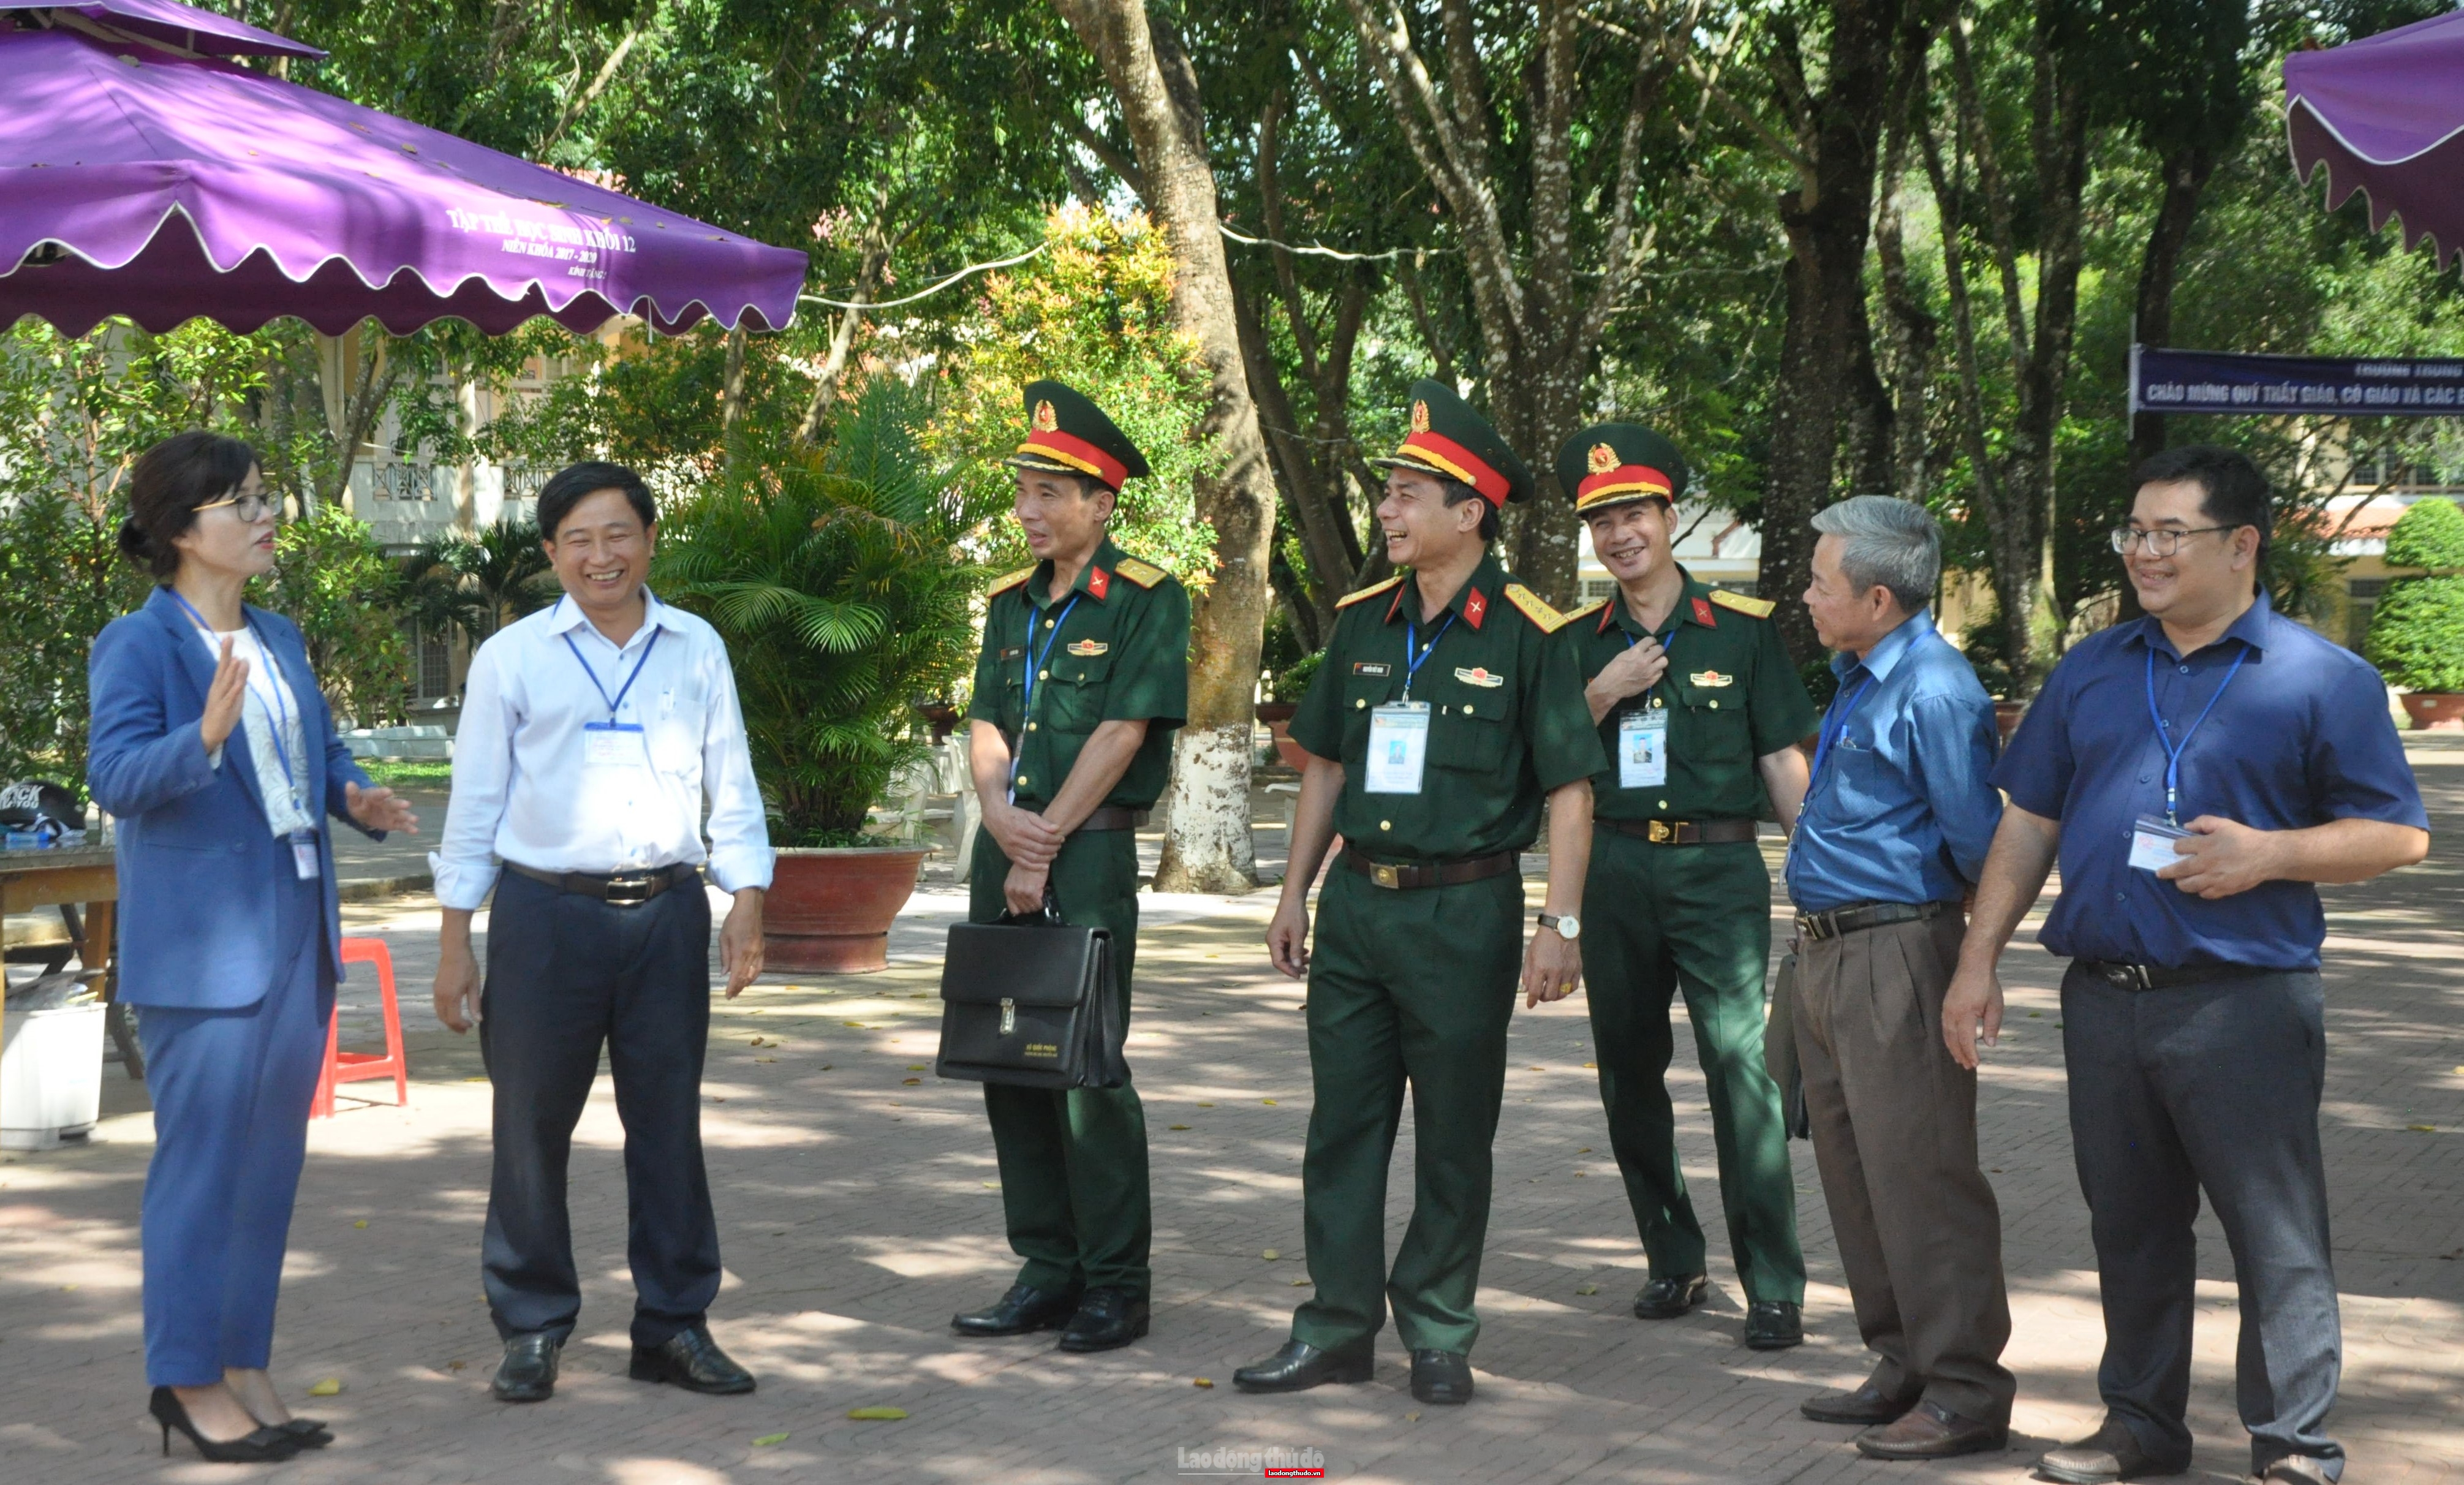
pixel 1386 876
pixel 1660 833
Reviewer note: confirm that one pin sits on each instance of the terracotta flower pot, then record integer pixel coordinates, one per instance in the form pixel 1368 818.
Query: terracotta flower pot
pixel 1278 717
pixel 830 908
pixel 2006 715
pixel 2435 711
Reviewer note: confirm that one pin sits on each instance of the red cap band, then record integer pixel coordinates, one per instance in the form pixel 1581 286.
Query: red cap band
pixel 1462 463
pixel 1077 453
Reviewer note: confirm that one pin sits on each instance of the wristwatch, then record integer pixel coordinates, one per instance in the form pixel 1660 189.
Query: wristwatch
pixel 1569 927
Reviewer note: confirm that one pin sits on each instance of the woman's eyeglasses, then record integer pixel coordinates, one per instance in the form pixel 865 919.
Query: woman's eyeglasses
pixel 251 508
pixel 2163 541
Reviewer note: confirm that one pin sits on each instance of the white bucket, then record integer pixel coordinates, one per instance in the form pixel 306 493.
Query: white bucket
pixel 51 1075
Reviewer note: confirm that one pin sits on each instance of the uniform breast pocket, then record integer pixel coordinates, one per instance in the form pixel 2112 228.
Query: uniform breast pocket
pixel 1079 685
pixel 1470 733
pixel 1363 693
pixel 1715 717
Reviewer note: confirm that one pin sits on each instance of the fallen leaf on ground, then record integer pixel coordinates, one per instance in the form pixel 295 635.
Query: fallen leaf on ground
pixel 1210 1106
pixel 474 1079
pixel 1586 1065
pixel 331 1386
pixel 1588 1289
pixel 1175 1126
pixel 915 1068
pixel 909 1082
pixel 768 1439
pixel 2423 1128
pixel 361 1222
pixel 1585 1150
pixel 990 1186
pixel 1271 1255
pixel 1270 1103
pixel 1302 1283
pixel 1411 1417
pixel 877 1414
pixel 1201 1382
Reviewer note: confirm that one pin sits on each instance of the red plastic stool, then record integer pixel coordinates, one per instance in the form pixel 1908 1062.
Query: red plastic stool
pixel 343 1067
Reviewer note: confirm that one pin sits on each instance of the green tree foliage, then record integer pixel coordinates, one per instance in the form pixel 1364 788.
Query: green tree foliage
pixel 830 577
pixel 333 579
pixel 1093 310
pixel 2417 630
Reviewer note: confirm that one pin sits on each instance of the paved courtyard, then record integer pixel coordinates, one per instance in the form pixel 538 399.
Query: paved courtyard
pixel 857 1200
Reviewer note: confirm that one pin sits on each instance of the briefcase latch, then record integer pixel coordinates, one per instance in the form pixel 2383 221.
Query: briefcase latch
pixel 1009 1016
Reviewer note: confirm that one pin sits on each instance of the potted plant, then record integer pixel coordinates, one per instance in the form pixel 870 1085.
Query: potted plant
pixel 2416 636
pixel 835 581
pixel 1288 686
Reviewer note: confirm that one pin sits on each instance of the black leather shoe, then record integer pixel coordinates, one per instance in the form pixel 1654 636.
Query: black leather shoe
pixel 1300 1365
pixel 1864 1404
pixel 309 1432
pixel 1666 1298
pixel 1930 1431
pixel 1107 1319
pixel 528 1372
pixel 1773 1325
pixel 2112 1453
pixel 694 1362
pixel 1441 1379
pixel 1021 1310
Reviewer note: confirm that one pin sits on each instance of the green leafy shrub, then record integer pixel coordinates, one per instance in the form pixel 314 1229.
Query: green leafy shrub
pixel 2417 635
pixel 836 583
pixel 333 579
pixel 1292 682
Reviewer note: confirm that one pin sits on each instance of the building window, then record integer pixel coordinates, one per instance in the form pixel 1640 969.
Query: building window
pixel 1597 588
pixel 2362 594
pixel 434 675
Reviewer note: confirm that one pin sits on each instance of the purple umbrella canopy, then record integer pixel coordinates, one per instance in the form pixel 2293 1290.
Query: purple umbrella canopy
pixel 2385 114
pixel 141 175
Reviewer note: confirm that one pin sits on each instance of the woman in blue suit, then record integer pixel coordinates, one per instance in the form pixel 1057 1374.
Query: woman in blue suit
pixel 212 745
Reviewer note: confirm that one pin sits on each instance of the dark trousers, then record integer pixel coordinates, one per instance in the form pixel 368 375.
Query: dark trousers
pixel 230 1091
pixel 1412 987
pixel 2211 1085
pixel 565 973
pixel 1073 1161
pixel 1895 1138
pixel 1692 920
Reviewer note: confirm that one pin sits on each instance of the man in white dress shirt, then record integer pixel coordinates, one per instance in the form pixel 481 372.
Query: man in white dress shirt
pixel 593 735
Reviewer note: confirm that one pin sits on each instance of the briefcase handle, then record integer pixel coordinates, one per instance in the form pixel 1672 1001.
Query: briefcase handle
pixel 1048 916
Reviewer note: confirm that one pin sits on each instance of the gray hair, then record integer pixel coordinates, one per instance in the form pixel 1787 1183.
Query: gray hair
pixel 1886 543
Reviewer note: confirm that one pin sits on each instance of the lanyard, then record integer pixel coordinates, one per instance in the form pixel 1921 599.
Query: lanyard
pixel 270 701
pixel 1831 734
pixel 1667 646
pixel 1035 660
pixel 618 700
pixel 2174 751
pixel 1413 646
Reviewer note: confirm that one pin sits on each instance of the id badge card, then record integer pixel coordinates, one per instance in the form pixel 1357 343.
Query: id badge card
pixel 611 744
pixel 1642 750
pixel 1399 747
pixel 2152 843
pixel 304 857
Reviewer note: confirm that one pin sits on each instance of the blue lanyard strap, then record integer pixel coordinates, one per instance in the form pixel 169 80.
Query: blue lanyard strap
pixel 1416 654
pixel 617 701
pixel 270 701
pixel 2174 751
pixel 1834 730
pixel 1035 659
pixel 1667 646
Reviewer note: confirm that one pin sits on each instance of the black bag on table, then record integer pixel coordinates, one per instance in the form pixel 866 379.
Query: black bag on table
pixel 1029 1002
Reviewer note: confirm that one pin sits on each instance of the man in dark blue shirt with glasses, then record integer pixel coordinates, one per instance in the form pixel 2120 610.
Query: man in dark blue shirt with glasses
pixel 2197 770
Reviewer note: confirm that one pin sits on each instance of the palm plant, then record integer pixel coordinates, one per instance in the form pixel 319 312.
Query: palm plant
pixel 478 584
pixel 836 580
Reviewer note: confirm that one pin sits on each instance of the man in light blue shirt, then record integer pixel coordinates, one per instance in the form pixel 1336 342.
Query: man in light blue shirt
pixel 1892 836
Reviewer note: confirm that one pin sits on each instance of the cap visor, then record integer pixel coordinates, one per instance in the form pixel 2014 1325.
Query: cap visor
pixel 1048 465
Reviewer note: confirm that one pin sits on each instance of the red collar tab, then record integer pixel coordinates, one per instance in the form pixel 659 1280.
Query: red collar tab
pixel 1475 607
pixel 1701 614
pixel 1098 580
pixel 1394 604
pixel 1609 613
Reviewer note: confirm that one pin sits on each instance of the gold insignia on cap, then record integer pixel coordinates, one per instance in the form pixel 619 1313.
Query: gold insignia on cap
pixel 1046 420
pixel 1419 417
pixel 1603 458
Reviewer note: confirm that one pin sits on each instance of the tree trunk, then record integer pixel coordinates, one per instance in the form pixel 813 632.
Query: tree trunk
pixel 1208 846
pixel 2186 173
pixel 1826 220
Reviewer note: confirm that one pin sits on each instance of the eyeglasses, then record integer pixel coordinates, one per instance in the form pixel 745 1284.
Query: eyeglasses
pixel 2163 541
pixel 251 508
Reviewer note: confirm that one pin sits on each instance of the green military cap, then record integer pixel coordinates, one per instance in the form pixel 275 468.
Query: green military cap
pixel 1617 463
pixel 1066 434
pixel 1449 439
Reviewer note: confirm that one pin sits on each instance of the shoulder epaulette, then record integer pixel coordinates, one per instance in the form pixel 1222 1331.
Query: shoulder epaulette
pixel 1760 609
pixel 1146 575
pixel 1587 610
pixel 1534 608
pixel 1368 592
pixel 1004 584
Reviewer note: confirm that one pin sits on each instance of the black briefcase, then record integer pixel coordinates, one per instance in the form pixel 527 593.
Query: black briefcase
pixel 1029 1002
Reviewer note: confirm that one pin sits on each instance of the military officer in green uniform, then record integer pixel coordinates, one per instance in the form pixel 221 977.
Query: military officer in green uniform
pixel 1700 708
pixel 1442 717
pixel 1083 677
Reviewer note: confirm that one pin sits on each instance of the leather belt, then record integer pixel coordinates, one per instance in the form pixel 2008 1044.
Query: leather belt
pixel 617 889
pixel 1454 873
pixel 1114 817
pixel 1858 917
pixel 2155 976
pixel 1683 832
